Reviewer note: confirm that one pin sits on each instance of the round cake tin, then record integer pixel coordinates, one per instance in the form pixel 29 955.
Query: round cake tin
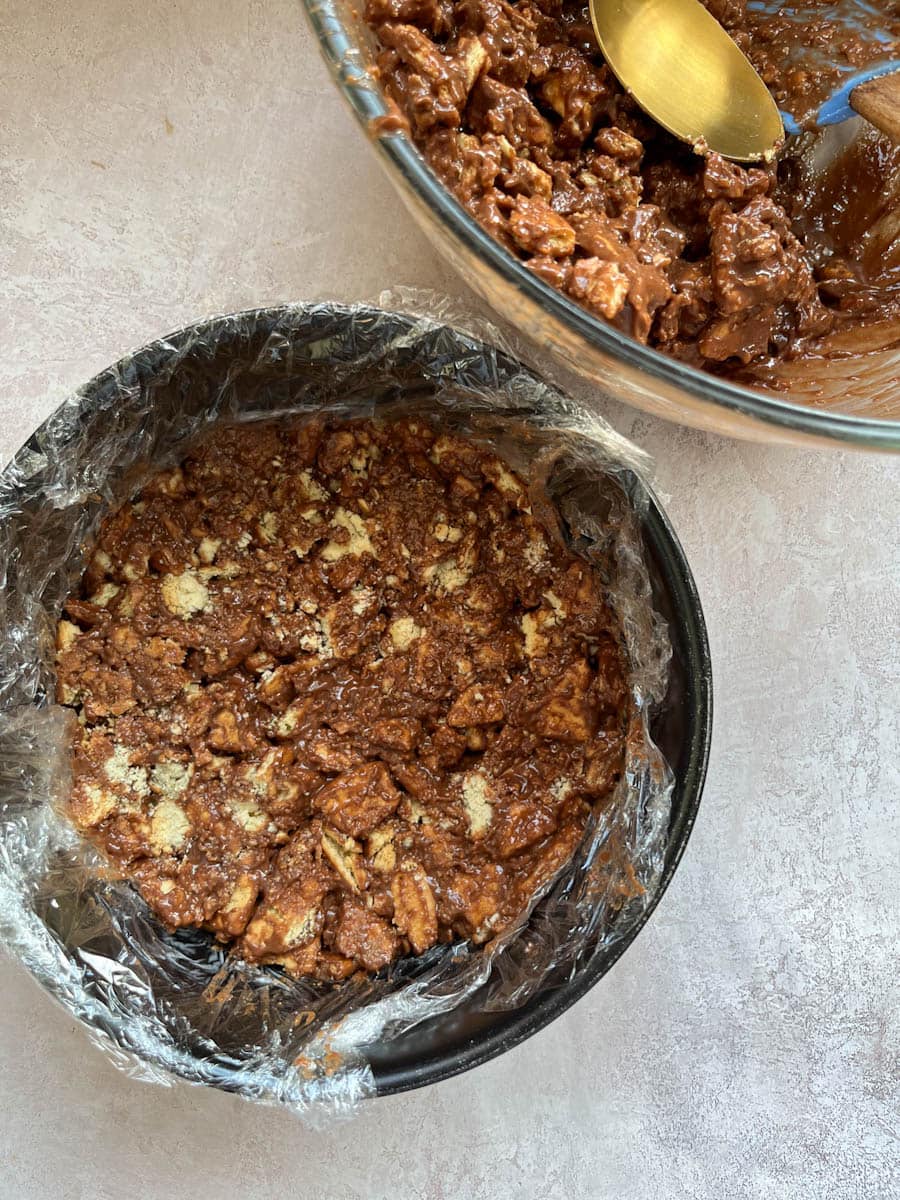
pixel 191 367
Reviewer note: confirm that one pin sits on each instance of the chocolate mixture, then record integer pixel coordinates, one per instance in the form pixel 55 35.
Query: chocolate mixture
pixel 340 695
pixel 516 111
pixel 805 51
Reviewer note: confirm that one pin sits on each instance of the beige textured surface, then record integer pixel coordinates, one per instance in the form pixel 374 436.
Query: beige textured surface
pixel 162 160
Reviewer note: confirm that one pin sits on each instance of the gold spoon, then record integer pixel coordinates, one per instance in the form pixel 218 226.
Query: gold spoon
pixel 684 70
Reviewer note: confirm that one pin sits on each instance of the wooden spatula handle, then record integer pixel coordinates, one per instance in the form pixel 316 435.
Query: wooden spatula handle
pixel 879 102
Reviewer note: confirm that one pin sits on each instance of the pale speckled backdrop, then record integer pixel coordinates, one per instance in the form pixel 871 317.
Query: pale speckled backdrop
pixel 165 159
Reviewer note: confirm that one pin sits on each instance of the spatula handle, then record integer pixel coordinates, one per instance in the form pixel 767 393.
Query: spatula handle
pixel 879 102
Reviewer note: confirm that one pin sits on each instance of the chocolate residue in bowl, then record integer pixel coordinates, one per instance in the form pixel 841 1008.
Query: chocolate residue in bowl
pixel 514 108
pixel 805 51
pixel 844 200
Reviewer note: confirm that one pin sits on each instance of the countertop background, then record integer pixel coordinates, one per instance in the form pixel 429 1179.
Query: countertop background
pixel 166 159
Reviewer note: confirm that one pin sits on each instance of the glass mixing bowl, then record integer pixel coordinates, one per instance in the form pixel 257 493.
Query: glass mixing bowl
pixel 851 401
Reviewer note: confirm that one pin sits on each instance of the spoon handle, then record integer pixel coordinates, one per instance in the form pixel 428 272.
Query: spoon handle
pixel 879 102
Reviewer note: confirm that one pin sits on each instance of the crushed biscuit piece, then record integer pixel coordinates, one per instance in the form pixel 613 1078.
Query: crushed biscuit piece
pixel 556 604
pixel 66 635
pixel 92 804
pixel 506 483
pixel 185 594
pixel 561 789
pixel 288 722
pixel 169 827
pixel 235 913
pixel 364 598
pixel 171 779
pixel 535 642
pixel 319 640
pixel 344 854
pixel 208 549
pixel 302 929
pixel 415 912
pixel 479 704
pixel 404 632
pixel 118 769
pixel 247 814
pixel 476 794
pixel 106 592
pixel 311 488
pixel 380 848
pixel 446 575
pixel 268 527
pixel 536 550
pixel 358 542
pixel 360 799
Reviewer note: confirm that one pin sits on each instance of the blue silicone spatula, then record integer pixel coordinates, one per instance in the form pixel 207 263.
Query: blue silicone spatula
pixel 872 91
